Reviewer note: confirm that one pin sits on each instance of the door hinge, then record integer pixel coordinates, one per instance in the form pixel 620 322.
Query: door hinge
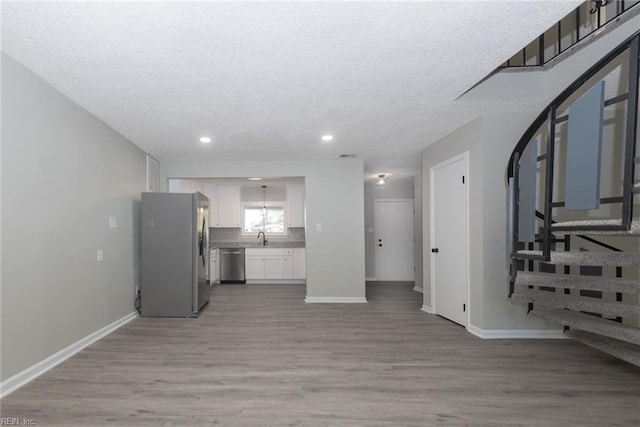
pixel 464 307
pixel 463 179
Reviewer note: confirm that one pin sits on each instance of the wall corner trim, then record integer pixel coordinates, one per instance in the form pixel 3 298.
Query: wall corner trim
pixel 18 380
pixel 515 333
pixel 426 309
pixel 417 289
pixel 335 300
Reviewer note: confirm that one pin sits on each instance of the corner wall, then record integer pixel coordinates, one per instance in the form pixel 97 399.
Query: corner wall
pixel 334 216
pixel 489 140
pixel 466 138
pixel 64 173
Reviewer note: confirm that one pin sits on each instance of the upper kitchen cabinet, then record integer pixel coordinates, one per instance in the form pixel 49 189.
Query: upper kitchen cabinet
pixel 185 186
pixel 224 205
pixel 211 191
pixel 295 205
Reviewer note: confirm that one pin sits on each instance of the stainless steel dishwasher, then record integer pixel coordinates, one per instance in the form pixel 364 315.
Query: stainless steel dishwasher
pixel 232 265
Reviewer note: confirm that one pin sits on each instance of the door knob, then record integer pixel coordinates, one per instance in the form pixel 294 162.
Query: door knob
pixel 434 250
pixel 380 244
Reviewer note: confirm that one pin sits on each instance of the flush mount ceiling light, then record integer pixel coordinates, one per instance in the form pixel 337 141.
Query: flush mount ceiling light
pixel 205 139
pixel 255 179
pixel 381 180
pixel 327 138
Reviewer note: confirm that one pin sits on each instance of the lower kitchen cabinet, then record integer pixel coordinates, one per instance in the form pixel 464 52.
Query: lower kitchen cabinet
pixel 214 267
pixel 299 263
pixel 288 264
pixel 253 266
pixel 273 264
pixel 263 263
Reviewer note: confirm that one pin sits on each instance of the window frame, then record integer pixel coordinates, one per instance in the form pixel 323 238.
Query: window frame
pixel 261 205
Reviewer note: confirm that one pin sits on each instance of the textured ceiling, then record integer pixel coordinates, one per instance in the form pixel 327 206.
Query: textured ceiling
pixel 266 80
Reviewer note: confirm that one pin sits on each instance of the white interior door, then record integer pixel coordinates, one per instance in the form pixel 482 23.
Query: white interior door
pixel 394 239
pixel 449 259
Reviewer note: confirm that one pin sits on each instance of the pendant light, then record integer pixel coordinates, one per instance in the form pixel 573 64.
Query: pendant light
pixel 264 204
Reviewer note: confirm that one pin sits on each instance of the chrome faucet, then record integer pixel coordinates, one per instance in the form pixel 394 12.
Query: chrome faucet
pixel 264 238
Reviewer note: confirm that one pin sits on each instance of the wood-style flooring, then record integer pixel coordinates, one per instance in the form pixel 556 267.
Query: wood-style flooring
pixel 259 356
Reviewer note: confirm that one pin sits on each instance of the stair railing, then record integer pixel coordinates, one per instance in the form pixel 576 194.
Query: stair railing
pixel 549 117
pixel 585 20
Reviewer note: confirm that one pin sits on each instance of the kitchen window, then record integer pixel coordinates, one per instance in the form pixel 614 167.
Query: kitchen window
pixel 267 217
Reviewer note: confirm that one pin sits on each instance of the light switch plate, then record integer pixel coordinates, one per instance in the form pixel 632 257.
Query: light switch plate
pixel 100 255
pixel 113 222
pixel 318 227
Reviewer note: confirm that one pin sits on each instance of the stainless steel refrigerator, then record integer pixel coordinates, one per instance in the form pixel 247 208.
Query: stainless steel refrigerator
pixel 174 254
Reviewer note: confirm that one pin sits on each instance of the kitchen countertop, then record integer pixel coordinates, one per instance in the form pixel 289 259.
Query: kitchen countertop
pixel 257 244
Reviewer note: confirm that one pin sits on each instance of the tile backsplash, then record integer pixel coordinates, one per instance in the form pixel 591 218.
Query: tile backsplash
pixel 235 235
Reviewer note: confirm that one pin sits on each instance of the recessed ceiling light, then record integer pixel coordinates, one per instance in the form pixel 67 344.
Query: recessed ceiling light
pixel 327 138
pixel 205 139
pixel 255 179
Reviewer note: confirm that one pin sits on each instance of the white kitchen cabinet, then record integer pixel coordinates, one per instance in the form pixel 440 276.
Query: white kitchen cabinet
pixel 299 263
pixel 295 205
pixel 273 267
pixel 263 263
pixel 288 264
pixel 211 191
pixel 185 186
pixel 229 206
pixel 224 205
pixel 253 267
pixel 214 267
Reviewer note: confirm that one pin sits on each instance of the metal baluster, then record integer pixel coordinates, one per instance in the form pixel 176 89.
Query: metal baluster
pixel 631 132
pixel 548 199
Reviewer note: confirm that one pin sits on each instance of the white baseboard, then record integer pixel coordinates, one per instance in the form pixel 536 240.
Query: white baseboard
pixel 13 383
pixel 276 282
pixel 336 300
pixel 426 309
pixel 417 289
pixel 515 333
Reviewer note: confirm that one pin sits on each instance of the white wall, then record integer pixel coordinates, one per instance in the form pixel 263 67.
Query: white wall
pixel 418 231
pixel 64 172
pixel 400 188
pixel 334 202
pixel 500 132
pixel 489 140
pixel 466 138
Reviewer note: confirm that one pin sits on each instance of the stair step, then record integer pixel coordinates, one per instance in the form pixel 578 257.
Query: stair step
pixel 591 283
pixel 620 349
pixel 615 259
pixel 593 224
pixel 596 325
pixel 593 305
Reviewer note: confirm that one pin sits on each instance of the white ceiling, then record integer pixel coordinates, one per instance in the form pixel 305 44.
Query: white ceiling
pixel 267 79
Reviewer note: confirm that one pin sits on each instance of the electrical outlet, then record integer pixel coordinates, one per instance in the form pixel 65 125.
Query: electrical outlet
pixel 318 227
pixel 100 255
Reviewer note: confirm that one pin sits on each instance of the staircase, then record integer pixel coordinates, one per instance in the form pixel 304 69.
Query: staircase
pixel 574 254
